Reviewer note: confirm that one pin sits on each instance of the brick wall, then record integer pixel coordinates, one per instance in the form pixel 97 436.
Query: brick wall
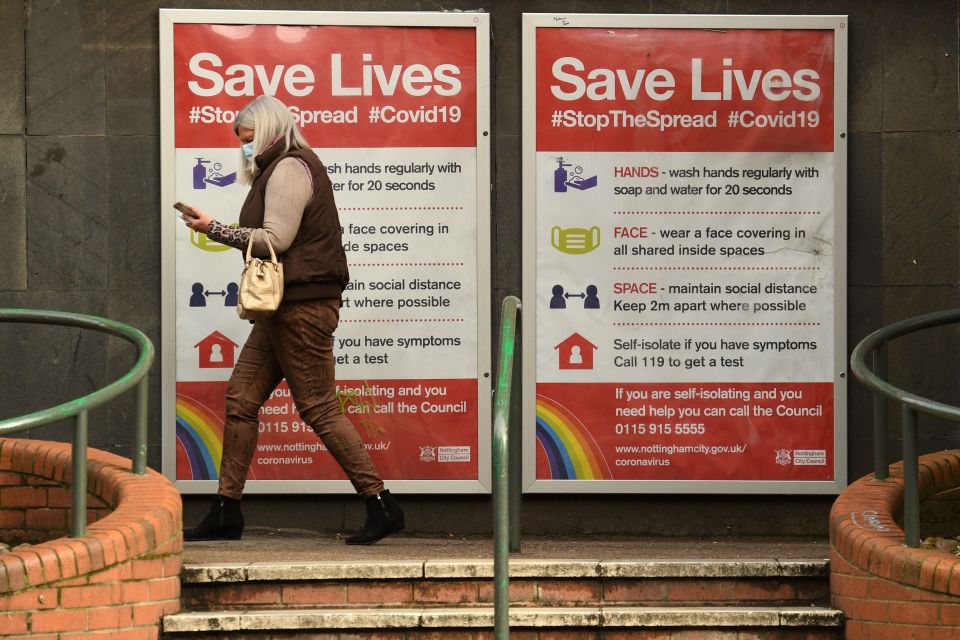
pixel 888 591
pixel 118 580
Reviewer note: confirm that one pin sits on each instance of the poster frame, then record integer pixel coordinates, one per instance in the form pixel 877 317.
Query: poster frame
pixel 480 22
pixel 839 24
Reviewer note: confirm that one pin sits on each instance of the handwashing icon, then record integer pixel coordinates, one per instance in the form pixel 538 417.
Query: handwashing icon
pixel 562 178
pixel 202 176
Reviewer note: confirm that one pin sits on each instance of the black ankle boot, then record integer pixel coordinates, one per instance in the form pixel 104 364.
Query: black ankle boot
pixel 384 516
pixel 224 522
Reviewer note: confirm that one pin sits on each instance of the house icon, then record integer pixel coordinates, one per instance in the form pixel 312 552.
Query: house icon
pixel 216 351
pixel 576 352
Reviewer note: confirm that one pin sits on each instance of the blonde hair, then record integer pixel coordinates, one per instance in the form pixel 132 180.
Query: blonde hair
pixel 271 121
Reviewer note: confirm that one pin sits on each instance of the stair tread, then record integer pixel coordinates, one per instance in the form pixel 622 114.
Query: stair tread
pixel 472 617
pixel 519 568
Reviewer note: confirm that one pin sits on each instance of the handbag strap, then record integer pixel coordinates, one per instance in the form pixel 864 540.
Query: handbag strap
pixel 266 237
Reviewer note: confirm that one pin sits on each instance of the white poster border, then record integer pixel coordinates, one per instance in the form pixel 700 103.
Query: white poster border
pixel 478 21
pixel 531 22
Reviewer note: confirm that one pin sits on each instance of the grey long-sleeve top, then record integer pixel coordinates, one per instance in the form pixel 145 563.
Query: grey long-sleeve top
pixel 288 192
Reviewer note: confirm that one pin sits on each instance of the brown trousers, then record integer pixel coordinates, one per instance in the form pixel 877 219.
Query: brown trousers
pixel 296 343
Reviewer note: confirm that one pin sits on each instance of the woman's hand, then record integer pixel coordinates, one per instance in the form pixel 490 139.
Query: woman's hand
pixel 197 220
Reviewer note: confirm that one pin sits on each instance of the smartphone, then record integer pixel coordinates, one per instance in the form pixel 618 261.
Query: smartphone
pixel 184 209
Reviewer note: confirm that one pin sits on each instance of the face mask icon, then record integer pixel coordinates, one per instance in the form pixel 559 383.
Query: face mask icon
pixel 575 240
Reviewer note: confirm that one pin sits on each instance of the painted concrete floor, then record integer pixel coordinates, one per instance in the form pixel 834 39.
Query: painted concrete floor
pixel 261 544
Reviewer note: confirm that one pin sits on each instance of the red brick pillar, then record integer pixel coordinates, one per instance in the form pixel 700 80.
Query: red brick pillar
pixel 118 580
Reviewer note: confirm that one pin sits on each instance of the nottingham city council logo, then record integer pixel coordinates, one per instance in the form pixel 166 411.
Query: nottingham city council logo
pixel 783 456
pixel 428 454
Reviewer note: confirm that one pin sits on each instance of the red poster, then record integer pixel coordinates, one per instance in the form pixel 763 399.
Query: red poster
pixel 691 431
pixel 683 309
pixel 393 109
pixel 349 86
pixel 389 415
pixel 685 89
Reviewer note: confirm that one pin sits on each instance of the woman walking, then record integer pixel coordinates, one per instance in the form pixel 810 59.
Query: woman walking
pixel 290 202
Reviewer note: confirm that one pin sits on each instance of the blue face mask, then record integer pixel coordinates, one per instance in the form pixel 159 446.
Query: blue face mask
pixel 247 149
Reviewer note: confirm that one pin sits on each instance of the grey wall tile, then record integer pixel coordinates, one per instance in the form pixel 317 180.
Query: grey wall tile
pixel 864 72
pixel 920 65
pixel 65 363
pixel 864 316
pixel 12 300
pixel 597 6
pixel 13 213
pixel 13 116
pixel 132 71
pixel 918 361
pixel 408 5
pixel 134 211
pixel 762 7
pixel 862 466
pixel 921 362
pixel 571 6
pixel 507 231
pixel 865 209
pixel 65 70
pixel 316 5
pixel 688 6
pixel 141 310
pixel 227 4
pixel 13 347
pixel 506 71
pixel 921 202
pixel 68 222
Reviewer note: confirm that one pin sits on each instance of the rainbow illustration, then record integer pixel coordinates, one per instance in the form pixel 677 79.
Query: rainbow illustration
pixel 200 437
pixel 572 452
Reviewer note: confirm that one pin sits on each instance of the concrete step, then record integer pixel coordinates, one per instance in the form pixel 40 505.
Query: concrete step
pixel 542 582
pixel 526 622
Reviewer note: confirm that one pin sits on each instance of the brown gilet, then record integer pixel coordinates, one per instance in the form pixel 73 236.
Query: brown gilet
pixel 315 265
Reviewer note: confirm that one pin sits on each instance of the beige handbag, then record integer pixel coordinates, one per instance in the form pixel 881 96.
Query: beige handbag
pixel 261 285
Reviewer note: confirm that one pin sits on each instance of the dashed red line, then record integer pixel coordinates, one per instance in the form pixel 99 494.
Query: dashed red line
pixel 400 208
pixel 716 268
pixel 380 321
pixel 716 324
pixel 406 264
pixel 717 213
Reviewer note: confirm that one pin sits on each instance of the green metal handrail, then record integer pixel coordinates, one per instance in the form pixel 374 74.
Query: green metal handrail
pixel 911 405
pixel 506 529
pixel 79 408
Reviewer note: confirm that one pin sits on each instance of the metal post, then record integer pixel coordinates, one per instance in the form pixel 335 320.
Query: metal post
pixel 79 498
pixel 501 481
pixel 911 492
pixel 881 459
pixel 501 551
pixel 515 447
pixel 140 446
pixel 515 486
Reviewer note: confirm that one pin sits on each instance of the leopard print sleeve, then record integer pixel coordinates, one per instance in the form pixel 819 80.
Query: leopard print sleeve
pixel 236 237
